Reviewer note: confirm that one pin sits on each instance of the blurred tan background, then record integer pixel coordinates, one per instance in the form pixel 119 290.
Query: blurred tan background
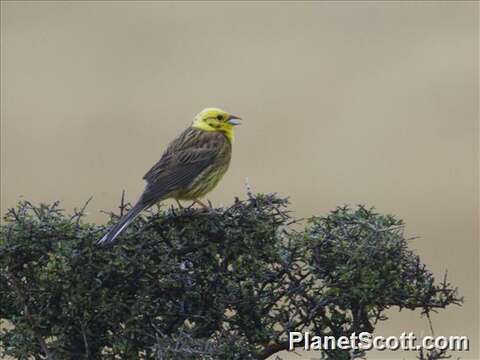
pixel 343 102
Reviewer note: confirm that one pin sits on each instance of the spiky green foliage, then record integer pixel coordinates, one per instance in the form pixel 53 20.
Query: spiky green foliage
pixel 189 284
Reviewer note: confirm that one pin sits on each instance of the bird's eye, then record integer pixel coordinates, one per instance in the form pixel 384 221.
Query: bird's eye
pixel 220 117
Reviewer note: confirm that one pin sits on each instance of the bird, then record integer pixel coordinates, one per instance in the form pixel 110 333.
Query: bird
pixel 190 167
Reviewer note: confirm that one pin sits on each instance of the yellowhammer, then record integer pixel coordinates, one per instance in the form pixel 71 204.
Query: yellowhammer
pixel 192 165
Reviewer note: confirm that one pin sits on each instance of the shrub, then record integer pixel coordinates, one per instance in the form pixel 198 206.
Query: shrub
pixel 229 283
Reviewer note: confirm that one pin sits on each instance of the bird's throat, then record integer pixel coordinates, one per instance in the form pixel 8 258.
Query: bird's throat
pixel 226 129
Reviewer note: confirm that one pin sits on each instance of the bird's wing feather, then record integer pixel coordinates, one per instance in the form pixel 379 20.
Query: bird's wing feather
pixel 177 171
pixel 189 139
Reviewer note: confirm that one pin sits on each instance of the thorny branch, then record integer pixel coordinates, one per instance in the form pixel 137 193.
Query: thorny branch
pixel 224 284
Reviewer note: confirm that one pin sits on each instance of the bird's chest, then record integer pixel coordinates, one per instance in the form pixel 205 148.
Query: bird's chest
pixel 207 179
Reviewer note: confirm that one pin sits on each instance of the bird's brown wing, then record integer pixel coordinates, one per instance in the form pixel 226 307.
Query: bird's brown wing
pixel 191 138
pixel 180 165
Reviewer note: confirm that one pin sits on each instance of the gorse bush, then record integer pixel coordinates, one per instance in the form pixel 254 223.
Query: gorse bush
pixel 193 284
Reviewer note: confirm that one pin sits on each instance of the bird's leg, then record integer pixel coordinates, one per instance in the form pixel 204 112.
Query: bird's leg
pixel 178 203
pixel 201 204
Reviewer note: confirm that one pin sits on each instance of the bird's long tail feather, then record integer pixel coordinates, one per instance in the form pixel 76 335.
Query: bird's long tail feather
pixel 122 224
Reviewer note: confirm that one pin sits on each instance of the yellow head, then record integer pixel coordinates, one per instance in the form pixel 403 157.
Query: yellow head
pixel 213 119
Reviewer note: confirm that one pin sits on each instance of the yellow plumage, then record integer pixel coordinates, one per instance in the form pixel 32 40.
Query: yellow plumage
pixel 190 167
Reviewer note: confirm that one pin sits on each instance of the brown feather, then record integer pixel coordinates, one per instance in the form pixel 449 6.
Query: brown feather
pixel 190 167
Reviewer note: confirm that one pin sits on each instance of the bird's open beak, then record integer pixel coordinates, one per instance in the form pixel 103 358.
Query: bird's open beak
pixel 234 120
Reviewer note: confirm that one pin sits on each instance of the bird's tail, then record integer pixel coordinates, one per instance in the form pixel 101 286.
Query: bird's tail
pixel 122 224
